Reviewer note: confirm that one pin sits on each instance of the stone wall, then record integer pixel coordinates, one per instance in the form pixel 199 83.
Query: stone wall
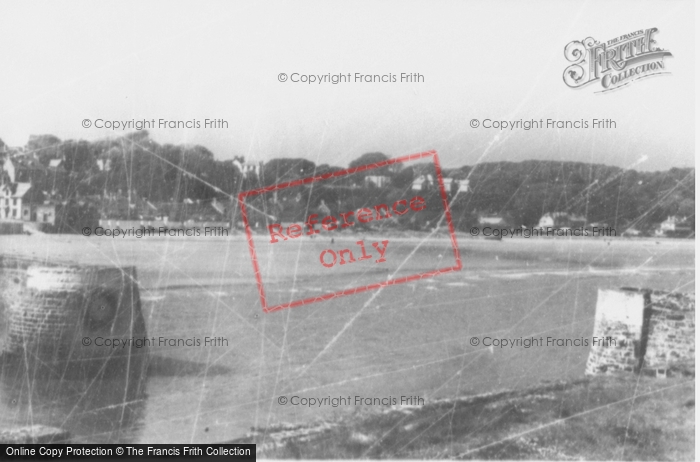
pixel 646 331
pixel 671 337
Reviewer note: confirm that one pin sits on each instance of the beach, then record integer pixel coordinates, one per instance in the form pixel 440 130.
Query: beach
pixel 407 340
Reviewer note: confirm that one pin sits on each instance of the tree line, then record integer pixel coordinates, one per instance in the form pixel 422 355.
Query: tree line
pixel 137 167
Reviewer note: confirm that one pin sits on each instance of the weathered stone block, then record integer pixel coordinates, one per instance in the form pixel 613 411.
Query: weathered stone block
pixel 661 326
pixel 48 310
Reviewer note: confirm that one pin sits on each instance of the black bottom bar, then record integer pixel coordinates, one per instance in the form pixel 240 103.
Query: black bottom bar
pixel 125 451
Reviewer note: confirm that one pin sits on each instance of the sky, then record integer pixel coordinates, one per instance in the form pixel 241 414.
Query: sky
pixel 63 62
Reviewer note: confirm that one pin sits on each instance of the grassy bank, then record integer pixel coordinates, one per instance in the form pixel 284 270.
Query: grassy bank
pixel 598 418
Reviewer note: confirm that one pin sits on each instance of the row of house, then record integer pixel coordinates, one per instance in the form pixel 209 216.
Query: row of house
pixel 673 226
pixel 18 200
pixel 558 220
pixel 428 181
pixel 421 183
pixel 119 208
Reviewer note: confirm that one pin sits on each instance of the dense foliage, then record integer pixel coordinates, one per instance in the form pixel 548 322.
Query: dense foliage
pixel 138 168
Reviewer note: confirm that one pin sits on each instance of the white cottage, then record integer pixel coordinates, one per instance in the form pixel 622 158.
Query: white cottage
pixel 11 198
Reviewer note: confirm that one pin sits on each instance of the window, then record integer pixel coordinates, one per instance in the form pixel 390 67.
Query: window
pixel 14 201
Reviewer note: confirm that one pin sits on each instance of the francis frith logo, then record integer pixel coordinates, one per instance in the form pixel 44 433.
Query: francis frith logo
pixel 615 63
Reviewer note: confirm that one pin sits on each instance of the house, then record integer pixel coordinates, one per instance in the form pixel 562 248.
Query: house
pixel 674 226
pixel 377 180
pixel 248 168
pixel 454 185
pixel 45 212
pixel 104 165
pixel 428 181
pixel 423 182
pixel 560 220
pixel 19 201
pixel 11 198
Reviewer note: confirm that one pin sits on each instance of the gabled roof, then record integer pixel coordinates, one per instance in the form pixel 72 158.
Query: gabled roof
pixel 20 190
